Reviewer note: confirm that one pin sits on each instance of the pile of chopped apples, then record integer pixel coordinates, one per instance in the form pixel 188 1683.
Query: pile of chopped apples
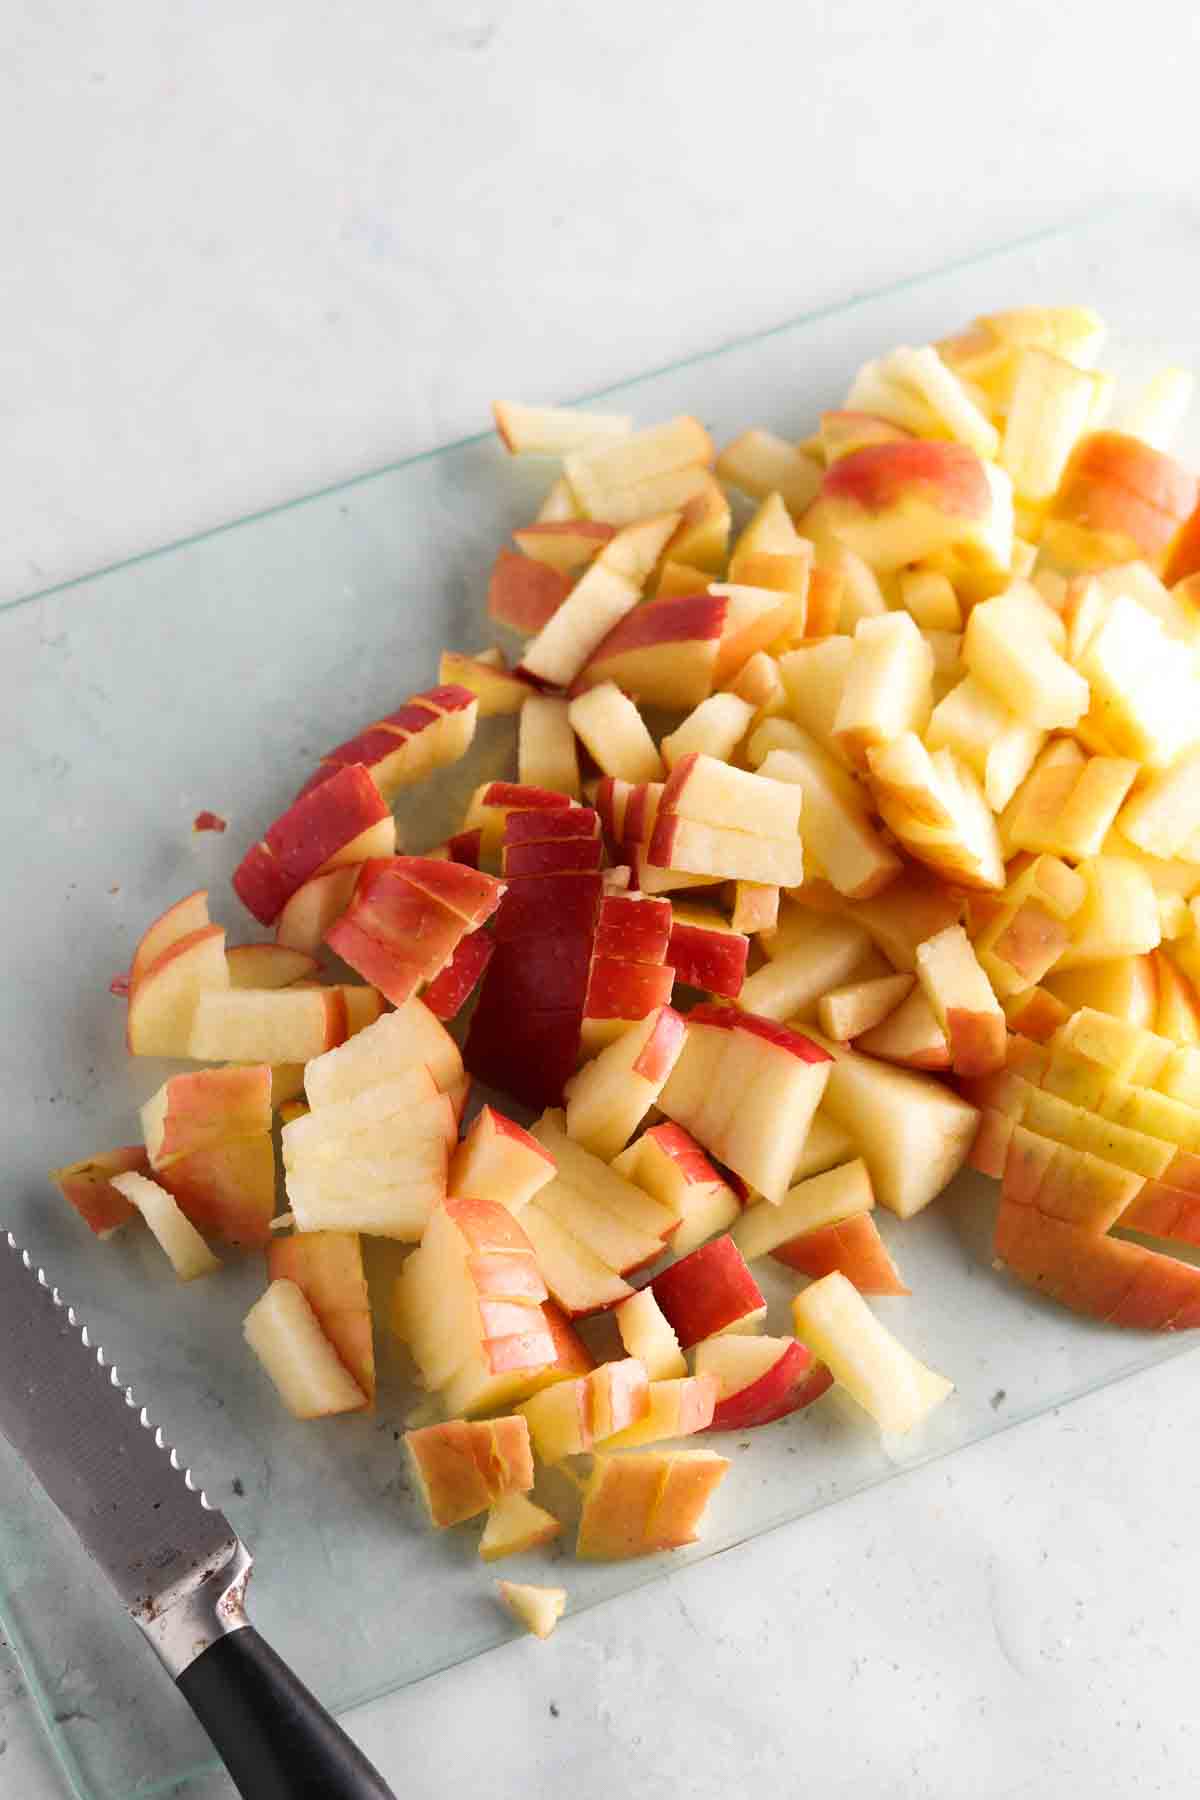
pixel 843 850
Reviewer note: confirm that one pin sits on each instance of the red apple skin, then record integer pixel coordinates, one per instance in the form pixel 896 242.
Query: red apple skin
pixel 313 829
pixel 465 846
pixel 507 1275
pixel 661 1049
pixel 87 1186
pixel 626 990
pixel 524 593
pixel 537 904
pixel 450 990
pixel 712 960
pixel 227 1191
pixel 706 1291
pixel 450 697
pixel 547 824
pixel 563 856
pixel 681 619
pixel 633 929
pixel 882 476
pixel 1104 1277
pixel 572 1356
pixel 792 1382
pixel 684 1152
pixel 729 1018
pixel 465 891
pixel 518 796
pixel 186 916
pixel 853 1248
pixel 396 971
pixel 1117 484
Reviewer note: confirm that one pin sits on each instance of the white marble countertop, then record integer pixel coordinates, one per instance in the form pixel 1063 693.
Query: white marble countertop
pixel 254 248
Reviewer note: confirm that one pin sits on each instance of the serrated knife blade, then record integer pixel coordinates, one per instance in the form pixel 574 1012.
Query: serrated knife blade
pixel 176 1563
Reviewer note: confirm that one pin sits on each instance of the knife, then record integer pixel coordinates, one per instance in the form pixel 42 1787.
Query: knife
pixel 177 1564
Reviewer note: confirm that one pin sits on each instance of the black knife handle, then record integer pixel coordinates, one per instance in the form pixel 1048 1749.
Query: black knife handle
pixel 276 1740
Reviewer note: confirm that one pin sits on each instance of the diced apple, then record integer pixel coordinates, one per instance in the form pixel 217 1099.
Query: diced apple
pixel 762 465
pixel 705 950
pixel 88 1187
pixel 963 1002
pixel 461 1467
pixel 910 1036
pixel 677 1408
pixel 846 1012
pixel 567 545
pixel 790 986
pixel 576 1277
pixel 984 734
pixel 646 1500
pixel 182 920
pixel 1121 1283
pixel 604 593
pixel 191 1112
pixel 538 1609
pixel 937 809
pixel 321 829
pixel 186 1250
pixel 327 1267
pixel 407 1038
pixel 570 1418
pixel 312 909
pixel 1049 411
pixel 615 734
pixel 709 1291
pixel 761 1379
pixel 1119 916
pixel 888 1382
pixel 1137 497
pixel 821 1200
pixel 499 1160
pixel 913 1134
pixel 756 618
pixel 660 449
pixel 673 1169
pixel 556 430
pixel 1021 666
pixel 835 825
pixel 853 1247
pixel 609 1097
pixel 755 907
pixel 524 592
pixel 164 998
pixel 648 1336
pixel 930 600
pixel 546 753
pixel 515 1524
pixel 887 688
pixel 310 1376
pixel 714 728
pixel 896 503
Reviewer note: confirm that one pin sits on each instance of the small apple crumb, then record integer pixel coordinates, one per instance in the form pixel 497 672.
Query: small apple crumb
pixel 208 821
pixel 119 985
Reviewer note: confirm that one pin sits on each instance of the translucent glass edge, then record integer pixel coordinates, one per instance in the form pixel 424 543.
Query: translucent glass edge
pixel 1063 228
pixel 653 1571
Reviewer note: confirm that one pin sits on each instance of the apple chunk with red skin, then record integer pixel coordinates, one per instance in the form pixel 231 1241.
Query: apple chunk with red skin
pixel 896 503
pixel 706 952
pixel 208 1139
pixel 663 653
pixel 571 1417
pixel 499 1160
pixel 453 986
pixel 206 1107
pixel 164 998
pixel 181 920
pixel 407 917
pixel 709 1291
pixel 87 1186
pixel 430 731
pixel 760 1379
pixel 609 1097
pixel 462 1467
pixel 853 1246
pixel 747 1088
pixel 671 1167
pixel 314 831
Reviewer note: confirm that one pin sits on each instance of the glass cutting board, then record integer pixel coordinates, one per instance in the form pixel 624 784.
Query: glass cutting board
pixel 211 675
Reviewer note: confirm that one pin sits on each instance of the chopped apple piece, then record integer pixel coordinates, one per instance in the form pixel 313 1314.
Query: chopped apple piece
pixel 910 1036
pixel 853 1247
pixel 555 430
pixel 759 1379
pixel 1121 1283
pixel 647 1335
pixel 762 465
pixel 567 545
pixel 755 907
pixel 524 592
pixel 604 593
pixel 577 1278
pixel 571 1417
pixel 846 1012
pixel 814 675
pixel 499 1160
pixel 1119 915
pixel 664 653
pixel 677 1408
pixel 398 1041
pixel 538 1609
pixel 937 809
pixel 165 996
pixel 327 1267
pixel 88 1186
pixel 1048 413
pixel 312 909
pixel 714 728
pixel 756 618
pixel 646 1500
pixel 790 986
pixel 515 1524
pixel 595 471
pixel 835 824
pixel 312 1380
pixel 705 950
pixel 609 1097
pixel 930 600
pixel 888 1382
pixel 186 1250
pixel 913 1134
pixel 898 503
pixel 821 1200
pixel 210 1106
pixel 887 688
pixel 1133 496
pixel 673 1169
pixel 1030 926
pixel 1021 666
pixel 546 753
pixel 462 1468
pixel 963 1002
pixel 1163 817
pixel 615 734
pixel 984 734
pixel 709 1291
pixel 266 1025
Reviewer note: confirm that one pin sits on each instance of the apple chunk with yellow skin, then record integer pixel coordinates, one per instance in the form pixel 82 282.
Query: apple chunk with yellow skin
pixel 896 503
pixel 312 1380
pixel 853 1247
pixel 499 1160
pixel 887 1381
pixel 760 1379
pixel 647 1500
pixel 327 1267
pixel 462 1467
pixel 677 1408
pixel 538 1609
pixel 1103 1277
pixel 1136 497
pixel 515 1524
